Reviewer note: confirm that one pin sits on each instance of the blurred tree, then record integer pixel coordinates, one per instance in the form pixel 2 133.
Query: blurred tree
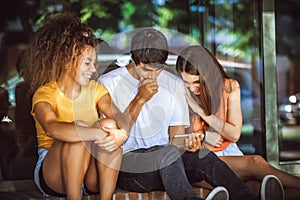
pixel 31 13
pixel 183 19
pixel 107 17
pixel 138 13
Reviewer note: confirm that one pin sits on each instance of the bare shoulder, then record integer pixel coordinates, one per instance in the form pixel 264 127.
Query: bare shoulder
pixel 234 84
pixel 231 85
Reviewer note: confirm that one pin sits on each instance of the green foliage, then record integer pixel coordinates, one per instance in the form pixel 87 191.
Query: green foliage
pixel 93 7
pixel 137 13
pixel 165 16
pixel 127 10
pixel 237 22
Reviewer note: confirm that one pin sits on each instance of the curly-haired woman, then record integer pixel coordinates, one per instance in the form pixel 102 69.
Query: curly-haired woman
pixel 75 154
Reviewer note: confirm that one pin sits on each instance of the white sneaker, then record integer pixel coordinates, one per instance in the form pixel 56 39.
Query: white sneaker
pixel 218 193
pixel 271 188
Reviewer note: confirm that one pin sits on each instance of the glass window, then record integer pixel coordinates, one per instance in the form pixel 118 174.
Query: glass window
pixel 288 70
pixel 231 30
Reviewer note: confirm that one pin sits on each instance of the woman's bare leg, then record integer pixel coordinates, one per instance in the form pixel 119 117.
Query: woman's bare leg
pixel 52 168
pixel 253 168
pixel 108 166
pixel 75 160
pixel 256 167
pixel 64 168
pixel 103 172
pixel 91 178
pixel 291 194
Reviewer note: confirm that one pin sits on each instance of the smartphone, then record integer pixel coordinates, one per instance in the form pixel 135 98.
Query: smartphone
pixel 179 139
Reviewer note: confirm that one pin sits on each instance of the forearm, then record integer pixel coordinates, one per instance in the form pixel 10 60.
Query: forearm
pixel 70 132
pixel 214 122
pixel 227 130
pixel 126 120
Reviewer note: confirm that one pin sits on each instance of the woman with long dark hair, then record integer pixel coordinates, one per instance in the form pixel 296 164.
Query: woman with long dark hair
pixel 214 101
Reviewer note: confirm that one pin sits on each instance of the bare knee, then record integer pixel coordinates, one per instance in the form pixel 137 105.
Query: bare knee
pixel 259 161
pixel 260 165
pixel 249 167
pixel 75 148
pixel 107 123
pixel 75 155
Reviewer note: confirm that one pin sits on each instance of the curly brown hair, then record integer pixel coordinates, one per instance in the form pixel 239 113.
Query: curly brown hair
pixel 57 46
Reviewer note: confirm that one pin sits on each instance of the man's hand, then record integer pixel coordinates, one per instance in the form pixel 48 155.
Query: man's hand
pixel 147 89
pixel 194 141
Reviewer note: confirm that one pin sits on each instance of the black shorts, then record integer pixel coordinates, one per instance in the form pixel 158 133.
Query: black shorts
pixel 51 192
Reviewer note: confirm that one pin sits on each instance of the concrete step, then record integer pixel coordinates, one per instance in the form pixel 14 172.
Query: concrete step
pixel 26 190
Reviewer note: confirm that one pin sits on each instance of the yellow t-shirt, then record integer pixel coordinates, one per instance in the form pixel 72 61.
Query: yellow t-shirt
pixel 83 108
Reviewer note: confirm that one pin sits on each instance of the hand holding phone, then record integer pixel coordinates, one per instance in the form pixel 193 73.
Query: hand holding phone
pixel 180 140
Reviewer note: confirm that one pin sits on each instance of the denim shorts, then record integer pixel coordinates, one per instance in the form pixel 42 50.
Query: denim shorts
pixel 42 153
pixel 231 150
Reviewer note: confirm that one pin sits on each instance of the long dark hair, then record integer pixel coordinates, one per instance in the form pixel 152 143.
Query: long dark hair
pixel 197 60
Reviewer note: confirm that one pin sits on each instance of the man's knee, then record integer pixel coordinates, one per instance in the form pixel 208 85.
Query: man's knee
pixel 203 157
pixel 169 155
